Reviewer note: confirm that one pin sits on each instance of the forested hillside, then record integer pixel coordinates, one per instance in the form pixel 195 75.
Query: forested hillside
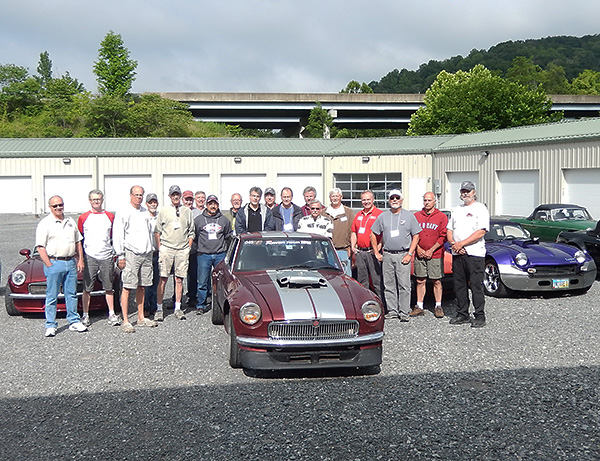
pixel 573 54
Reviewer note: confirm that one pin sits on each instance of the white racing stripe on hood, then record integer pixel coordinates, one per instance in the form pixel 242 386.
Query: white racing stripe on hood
pixel 297 304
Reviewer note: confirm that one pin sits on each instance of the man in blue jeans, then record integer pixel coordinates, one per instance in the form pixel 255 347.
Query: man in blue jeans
pixel 213 232
pixel 58 241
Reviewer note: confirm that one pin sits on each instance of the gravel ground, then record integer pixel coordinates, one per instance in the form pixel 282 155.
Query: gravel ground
pixel 523 387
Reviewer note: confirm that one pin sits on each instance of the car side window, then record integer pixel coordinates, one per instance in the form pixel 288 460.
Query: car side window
pixel 541 216
pixel 231 250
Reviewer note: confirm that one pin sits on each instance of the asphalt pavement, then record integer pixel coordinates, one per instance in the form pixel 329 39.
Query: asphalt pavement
pixel 524 387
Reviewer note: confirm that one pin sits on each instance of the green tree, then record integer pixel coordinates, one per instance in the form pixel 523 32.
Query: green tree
pixel 18 91
pixel 115 71
pixel 106 117
pixel 478 100
pixel 355 87
pixel 524 72
pixel 44 69
pixel 153 116
pixel 319 123
pixel 587 82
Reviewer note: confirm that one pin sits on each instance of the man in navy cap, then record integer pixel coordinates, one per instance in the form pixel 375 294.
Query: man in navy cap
pixel 213 231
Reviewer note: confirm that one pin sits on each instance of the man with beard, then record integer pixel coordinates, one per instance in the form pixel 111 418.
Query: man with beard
pixel 213 232
pixel 399 232
pixel 467 227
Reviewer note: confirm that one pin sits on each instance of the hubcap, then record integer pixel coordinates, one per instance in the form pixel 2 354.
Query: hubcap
pixel 491 280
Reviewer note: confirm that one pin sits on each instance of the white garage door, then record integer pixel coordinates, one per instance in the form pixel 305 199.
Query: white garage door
pixel 582 187
pixel 21 186
pixel 74 191
pixel 193 182
pixel 240 183
pixel 117 187
pixel 297 182
pixel 518 192
pixel 453 181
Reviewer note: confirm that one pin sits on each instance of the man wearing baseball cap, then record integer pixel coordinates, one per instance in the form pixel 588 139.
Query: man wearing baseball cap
pixel 467 227
pixel 213 231
pixel 174 233
pixel 399 232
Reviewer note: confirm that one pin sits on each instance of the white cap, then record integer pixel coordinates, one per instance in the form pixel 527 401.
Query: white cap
pixel 395 192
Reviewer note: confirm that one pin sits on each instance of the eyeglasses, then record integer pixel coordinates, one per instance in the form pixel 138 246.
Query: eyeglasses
pixel 395 197
pixel 57 205
pixel 317 208
pixel 96 199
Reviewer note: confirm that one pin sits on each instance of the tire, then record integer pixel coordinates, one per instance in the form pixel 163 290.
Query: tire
pixel 216 311
pixel 492 283
pixel 9 302
pixel 234 350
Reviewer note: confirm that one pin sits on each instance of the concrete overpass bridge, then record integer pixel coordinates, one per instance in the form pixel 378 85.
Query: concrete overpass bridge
pixel 289 111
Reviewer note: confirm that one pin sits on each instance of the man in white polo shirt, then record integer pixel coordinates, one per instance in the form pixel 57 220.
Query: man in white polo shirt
pixel 58 241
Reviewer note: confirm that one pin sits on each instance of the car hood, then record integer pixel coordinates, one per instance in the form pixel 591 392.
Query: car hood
pixel 537 252
pixel 304 294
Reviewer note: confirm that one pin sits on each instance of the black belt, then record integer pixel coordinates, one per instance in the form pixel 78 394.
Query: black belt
pixel 394 252
pixel 61 258
pixel 364 249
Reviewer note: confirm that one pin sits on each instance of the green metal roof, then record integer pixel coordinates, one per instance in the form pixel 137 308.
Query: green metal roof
pixel 224 147
pixel 144 147
pixel 534 134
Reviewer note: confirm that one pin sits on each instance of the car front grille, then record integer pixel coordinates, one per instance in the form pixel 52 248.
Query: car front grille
pixel 313 329
pixel 542 271
pixel 39 288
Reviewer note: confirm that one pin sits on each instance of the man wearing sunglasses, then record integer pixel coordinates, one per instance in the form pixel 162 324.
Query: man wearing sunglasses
pixel 58 241
pixel 399 231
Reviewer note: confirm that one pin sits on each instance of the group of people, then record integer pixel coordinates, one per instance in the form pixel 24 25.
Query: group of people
pixel 190 235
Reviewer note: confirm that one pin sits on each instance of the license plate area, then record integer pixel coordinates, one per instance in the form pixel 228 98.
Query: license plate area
pixel 560 283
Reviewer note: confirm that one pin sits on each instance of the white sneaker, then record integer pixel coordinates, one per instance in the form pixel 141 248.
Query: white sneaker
pixel 85 319
pixel 78 327
pixel 114 320
pixel 50 332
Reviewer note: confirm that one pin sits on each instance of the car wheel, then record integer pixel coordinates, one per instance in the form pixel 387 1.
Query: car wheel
pixel 216 312
pixel 9 302
pixel 234 349
pixel 492 283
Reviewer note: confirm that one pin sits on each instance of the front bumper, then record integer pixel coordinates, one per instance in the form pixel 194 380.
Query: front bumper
pixel 518 280
pixel 265 354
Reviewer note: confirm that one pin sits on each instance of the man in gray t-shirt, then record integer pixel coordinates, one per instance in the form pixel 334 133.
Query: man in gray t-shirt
pixel 400 234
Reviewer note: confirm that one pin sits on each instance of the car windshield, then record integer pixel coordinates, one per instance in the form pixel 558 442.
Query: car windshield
pixel 570 213
pixel 501 231
pixel 272 254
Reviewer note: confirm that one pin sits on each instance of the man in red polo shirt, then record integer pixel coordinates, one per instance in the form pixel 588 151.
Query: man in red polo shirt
pixel 367 264
pixel 429 257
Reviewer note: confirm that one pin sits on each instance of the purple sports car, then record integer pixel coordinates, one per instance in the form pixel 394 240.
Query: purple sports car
pixel 517 262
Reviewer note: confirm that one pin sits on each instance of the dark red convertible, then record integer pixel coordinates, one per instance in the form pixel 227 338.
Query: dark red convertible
pixel 286 303
pixel 26 288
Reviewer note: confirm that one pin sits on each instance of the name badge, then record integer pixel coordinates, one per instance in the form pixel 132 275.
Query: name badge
pixel 395 233
pixel 343 218
pixel 289 227
pixel 176 224
pixel 362 230
pixel 212 236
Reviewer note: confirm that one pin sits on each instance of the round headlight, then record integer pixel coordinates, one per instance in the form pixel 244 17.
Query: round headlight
pixel 521 259
pixel 18 277
pixel 579 257
pixel 371 311
pixel 250 313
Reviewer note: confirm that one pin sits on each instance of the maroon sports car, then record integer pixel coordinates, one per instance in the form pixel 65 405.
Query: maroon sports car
pixel 26 288
pixel 287 303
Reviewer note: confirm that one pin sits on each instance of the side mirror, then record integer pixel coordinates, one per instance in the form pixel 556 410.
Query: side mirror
pixel 25 252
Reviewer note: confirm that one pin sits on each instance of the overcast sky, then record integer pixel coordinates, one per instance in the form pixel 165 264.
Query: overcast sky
pixel 274 45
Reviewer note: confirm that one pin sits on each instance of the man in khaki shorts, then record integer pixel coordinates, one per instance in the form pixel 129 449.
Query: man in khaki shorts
pixel 174 234
pixel 132 241
pixel 429 257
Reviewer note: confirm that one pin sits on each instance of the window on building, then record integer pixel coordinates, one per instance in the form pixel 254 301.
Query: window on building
pixel 353 184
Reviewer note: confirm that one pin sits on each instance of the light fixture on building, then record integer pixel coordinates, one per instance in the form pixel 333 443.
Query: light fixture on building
pixel 366 159
pixel 67 161
pixel 485 153
pixel 237 159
